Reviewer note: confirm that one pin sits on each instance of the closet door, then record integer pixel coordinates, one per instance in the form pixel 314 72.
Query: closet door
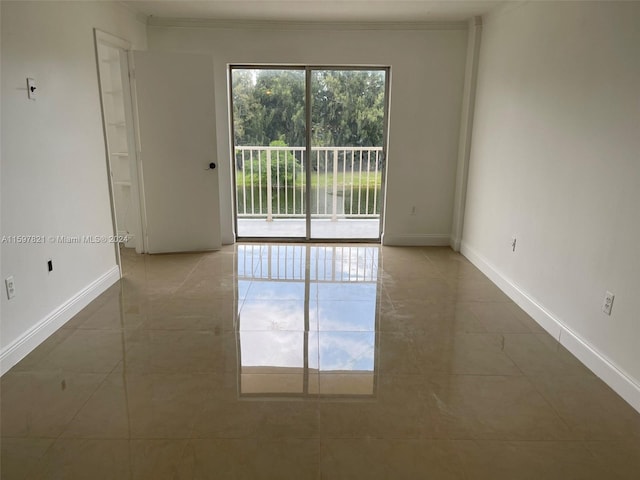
pixel 176 122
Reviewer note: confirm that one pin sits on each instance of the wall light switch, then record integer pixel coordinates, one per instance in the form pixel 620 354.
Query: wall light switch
pixel 31 88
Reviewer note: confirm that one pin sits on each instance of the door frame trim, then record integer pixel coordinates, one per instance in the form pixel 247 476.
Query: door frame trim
pixel 125 46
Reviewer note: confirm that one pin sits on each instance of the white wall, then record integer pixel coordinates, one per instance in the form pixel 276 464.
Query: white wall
pixel 54 179
pixel 555 161
pixel 427 71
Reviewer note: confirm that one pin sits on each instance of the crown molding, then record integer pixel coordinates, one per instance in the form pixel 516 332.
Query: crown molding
pixel 302 25
pixel 139 16
pixel 503 9
pixel 142 18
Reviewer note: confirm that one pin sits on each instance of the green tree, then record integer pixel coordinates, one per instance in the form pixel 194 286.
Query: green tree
pixel 268 105
pixel 347 107
pixel 283 166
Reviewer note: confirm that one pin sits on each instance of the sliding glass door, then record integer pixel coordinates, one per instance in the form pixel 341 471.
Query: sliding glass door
pixel 298 182
pixel 347 153
pixel 269 134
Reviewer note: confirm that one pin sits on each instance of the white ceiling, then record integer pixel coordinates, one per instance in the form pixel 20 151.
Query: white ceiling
pixel 316 10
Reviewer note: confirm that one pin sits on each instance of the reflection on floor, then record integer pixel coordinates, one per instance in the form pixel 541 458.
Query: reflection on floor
pixel 307 330
pixel 301 362
pixel 322 228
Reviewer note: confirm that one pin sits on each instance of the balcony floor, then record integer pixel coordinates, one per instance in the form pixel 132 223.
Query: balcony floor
pixel 361 229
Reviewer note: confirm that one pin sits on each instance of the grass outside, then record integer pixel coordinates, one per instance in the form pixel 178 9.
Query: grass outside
pixel 364 180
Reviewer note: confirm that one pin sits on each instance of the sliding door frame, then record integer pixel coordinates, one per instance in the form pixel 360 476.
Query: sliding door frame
pixel 309 69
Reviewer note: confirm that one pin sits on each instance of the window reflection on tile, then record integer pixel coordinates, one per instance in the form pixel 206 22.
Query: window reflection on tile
pixel 348 315
pixel 347 363
pixel 347 351
pixel 257 315
pixel 272 362
pixel 307 319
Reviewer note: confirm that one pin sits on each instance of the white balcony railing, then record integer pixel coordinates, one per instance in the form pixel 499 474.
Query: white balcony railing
pixel 326 264
pixel 345 182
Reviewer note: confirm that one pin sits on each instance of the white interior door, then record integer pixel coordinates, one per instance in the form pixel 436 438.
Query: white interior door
pixel 176 123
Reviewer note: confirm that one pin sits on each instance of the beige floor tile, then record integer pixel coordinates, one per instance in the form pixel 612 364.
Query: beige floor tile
pixel 180 351
pixel 396 354
pixel 524 318
pixel 178 313
pixel 553 344
pixel 87 351
pixel 108 297
pixel 76 459
pixel 530 461
pixel 434 291
pixel 158 459
pixel 407 263
pixel 214 286
pixel 474 289
pixel 455 268
pixel 418 306
pixel 19 456
pixel 619 457
pixel 105 414
pixel 113 316
pixel 165 405
pixel 396 410
pixel 536 357
pixel 492 407
pixel 499 317
pixel 590 408
pixel 34 361
pixel 229 414
pixel 465 320
pixel 41 404
pixel 397 273
pixel 251 459
pixel 382 458
pixel 426 371
pixel 478 354
pixel 416 316
pixel 430 353
pixel 352 384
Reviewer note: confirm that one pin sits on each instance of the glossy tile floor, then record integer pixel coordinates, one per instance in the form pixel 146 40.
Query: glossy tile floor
pixel 309 362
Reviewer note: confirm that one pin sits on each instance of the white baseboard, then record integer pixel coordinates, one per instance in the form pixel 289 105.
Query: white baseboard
pixel 623 384
pixel 37 334
pixel 455 243
pixel 417 240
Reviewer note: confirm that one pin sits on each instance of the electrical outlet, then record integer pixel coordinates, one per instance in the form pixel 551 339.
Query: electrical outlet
pixel 513 243
pixel 607 305
pixel 11 287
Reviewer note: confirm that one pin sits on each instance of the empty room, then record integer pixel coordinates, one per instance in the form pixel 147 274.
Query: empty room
pixel 320 239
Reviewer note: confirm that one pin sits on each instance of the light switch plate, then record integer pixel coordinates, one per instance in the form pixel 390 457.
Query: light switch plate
pixel 31 88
